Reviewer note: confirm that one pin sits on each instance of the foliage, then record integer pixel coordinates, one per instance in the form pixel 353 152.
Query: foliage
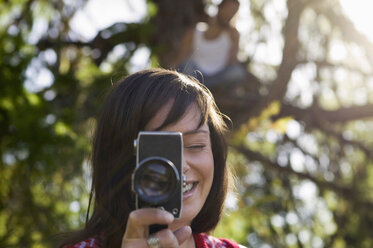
pixel 300 144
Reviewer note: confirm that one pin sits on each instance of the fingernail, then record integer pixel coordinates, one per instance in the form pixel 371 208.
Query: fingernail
pixel 169 217
pixel 188 229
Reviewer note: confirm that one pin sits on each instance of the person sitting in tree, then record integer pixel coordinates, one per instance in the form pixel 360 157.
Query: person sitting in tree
pixel 211 48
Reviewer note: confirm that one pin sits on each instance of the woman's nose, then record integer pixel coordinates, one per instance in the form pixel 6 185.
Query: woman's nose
pixel 185 166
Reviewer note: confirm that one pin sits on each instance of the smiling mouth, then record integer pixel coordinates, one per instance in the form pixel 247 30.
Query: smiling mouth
pixel 188 186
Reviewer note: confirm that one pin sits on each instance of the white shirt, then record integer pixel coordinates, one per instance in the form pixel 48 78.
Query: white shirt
pixel 211 56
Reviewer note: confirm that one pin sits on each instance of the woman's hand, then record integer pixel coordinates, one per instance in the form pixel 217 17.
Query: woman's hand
pixel 137 230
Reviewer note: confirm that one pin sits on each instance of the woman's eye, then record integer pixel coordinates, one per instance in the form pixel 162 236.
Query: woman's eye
pixel 196 147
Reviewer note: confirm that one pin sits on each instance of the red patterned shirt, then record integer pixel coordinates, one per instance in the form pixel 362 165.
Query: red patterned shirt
pixel 202 240
pixel 89 243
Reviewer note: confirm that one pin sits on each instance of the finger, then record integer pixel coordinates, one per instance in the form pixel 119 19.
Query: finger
pixel 182 234
pixel 167 238
pixel 139 220
pixel 148 216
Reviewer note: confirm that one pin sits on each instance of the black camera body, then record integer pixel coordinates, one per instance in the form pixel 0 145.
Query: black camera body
pixel 158 177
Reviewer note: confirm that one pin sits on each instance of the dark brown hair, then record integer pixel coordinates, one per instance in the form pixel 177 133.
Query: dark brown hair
pixel 131 104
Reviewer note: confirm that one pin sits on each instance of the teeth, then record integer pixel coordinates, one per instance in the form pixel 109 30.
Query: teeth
pixel 187 187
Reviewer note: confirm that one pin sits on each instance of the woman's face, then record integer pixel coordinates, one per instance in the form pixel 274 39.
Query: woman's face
pixel 198 164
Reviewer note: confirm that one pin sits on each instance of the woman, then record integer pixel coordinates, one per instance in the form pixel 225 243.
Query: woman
pixel 158 100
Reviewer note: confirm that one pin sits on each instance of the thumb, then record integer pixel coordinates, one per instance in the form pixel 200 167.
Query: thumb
pixel 183 233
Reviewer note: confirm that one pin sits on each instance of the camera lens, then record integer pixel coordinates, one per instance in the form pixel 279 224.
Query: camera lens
pixel 155 180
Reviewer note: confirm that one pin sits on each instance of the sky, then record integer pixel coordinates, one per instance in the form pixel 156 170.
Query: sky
pixel 360 12
pixel 99 14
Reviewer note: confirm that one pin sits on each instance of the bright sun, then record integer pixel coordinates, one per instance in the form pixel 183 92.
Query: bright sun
pixel 360 12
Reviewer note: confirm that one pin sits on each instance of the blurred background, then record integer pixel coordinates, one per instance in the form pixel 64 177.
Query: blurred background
pixel 301 141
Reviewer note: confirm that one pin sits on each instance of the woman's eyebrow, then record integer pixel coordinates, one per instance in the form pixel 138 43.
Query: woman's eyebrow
pixel 196 131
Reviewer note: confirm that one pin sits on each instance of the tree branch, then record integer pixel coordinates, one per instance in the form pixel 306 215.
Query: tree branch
pixel 344 191
pixel 291 47
pixel 106 39
pixel 316 116
pixel 289 59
